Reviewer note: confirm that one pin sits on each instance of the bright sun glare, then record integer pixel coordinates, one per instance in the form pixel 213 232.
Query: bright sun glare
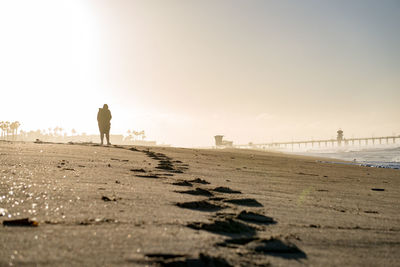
pixel 185 71
pixel 47 54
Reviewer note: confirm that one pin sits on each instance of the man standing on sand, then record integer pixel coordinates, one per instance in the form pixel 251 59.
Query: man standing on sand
pixel 103 119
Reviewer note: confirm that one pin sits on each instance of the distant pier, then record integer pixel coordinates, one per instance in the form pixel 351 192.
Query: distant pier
pixel 326 143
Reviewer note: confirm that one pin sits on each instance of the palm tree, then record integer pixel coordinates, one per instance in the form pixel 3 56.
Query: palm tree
pixel 16 125
pixel 142 134
pixel 129 136
pixel 12 128
pixel 7 128
pixel 136 134
pixel 2 127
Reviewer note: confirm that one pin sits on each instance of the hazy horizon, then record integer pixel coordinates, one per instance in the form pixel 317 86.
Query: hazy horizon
pixel 184 71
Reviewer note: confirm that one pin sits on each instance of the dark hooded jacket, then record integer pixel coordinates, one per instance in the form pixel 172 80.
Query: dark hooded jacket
pixel 103 118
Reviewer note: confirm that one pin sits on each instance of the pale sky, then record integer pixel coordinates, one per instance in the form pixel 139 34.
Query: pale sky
pixel 184 71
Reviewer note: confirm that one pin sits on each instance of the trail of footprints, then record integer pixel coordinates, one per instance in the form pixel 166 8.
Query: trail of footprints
pixel 165 164
pixel 242 228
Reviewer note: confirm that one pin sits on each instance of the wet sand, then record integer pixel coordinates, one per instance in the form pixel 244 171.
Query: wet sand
pixel 104 206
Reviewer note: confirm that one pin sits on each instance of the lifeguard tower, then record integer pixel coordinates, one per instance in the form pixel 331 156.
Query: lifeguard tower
pixel 219 142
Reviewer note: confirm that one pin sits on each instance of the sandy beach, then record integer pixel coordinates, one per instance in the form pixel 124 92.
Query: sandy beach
pixel 138 206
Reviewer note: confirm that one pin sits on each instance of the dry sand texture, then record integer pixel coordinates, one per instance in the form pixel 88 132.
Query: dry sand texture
pixel 103 206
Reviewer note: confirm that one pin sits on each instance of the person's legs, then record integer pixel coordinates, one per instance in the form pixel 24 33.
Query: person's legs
pixel 108 137
pixel 101 137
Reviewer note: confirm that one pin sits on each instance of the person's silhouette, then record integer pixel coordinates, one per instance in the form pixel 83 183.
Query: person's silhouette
pixel 103 119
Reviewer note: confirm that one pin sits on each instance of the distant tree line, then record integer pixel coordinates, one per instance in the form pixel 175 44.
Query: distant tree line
pixel 135 135
pixel 56 134
pixel 9 129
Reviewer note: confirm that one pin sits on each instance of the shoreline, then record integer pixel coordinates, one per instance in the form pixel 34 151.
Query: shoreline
pixel 377 158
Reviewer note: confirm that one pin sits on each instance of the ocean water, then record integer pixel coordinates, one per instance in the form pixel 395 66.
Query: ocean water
pixel 382 157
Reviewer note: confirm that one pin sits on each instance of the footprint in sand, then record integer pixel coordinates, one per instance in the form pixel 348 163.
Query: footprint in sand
pixel 253 217
pixel 237 241
pixel 272 246
pixel 200 206
pixel 276 247
pixel 181 260
pixel 182 183
pixel 148 176
pixel 197 192
pixel 227 226
pixel 227 190
pixel 250 202
pixel 198 181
